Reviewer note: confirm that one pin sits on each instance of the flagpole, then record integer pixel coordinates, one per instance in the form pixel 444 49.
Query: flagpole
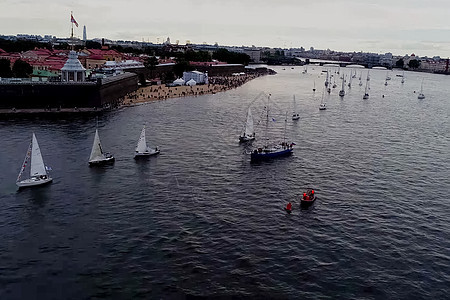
pixel 71 16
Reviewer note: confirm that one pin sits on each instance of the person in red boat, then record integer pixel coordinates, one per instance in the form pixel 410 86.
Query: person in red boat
pixel 312 193
pixel 305 197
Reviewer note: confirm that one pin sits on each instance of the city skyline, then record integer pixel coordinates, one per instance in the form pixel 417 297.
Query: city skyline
pixel 400 27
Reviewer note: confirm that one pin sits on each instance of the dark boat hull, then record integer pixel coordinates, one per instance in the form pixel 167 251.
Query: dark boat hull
pixel 270 155
pixel 307 203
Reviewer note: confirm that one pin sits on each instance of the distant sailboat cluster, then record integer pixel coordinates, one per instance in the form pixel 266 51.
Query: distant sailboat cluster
pixel 346 82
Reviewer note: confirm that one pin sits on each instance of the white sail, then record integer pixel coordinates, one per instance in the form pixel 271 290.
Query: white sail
pixel 142 145
pixel 366 90
pixel 27 157
pixel 37 163
pixel 96 152
pixel 249 130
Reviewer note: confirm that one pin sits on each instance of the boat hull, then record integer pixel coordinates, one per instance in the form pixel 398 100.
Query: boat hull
pixel 34 181
pixel 243 139
pixel 105 161
pixel 307 203
pixel 146 154
pixel 261 156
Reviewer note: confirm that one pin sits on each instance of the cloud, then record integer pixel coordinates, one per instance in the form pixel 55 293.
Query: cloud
pixel 341 25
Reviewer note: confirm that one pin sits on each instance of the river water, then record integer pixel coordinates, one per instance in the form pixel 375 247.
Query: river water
pixel 200 220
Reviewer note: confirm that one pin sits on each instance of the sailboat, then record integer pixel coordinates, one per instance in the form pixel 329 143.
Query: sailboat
pixel 403 77
pixel 322 105
pixel 142 150
pixel 98 157
pixel 295 115
pixel 421 95
pixel 38 171
pixel 269 151
pixel 248 134
pixel 366 91
pixel 326 80
pixel 342 91
pixel 350 82
pixel 314 88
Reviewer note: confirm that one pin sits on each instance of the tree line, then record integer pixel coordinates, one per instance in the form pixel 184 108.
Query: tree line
pixel 20 69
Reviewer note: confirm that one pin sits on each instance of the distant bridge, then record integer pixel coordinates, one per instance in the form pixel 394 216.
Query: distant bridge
pixel 322 62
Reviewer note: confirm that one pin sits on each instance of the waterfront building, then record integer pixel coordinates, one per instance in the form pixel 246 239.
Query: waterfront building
pixel 197 76
pixel 254 53
pixel 106 54
pixel 95 61
pixel 73 70
pixel 386 60
pixel 123 65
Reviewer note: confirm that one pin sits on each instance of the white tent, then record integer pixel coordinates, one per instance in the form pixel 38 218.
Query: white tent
pixel 191 82
pixel 178 81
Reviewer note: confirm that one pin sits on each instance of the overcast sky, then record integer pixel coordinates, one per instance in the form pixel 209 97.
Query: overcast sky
pixel 397 26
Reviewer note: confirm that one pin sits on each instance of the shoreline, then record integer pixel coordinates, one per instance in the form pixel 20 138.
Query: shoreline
pixel 163 92
pixel 141 96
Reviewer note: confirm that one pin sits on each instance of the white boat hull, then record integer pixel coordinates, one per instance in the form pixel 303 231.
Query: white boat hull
pixel 105 160
pixel 147 153
pixel 246 138
pixel 33 181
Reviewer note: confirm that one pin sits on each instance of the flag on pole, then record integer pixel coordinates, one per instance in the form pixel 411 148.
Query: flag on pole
pixel 72 19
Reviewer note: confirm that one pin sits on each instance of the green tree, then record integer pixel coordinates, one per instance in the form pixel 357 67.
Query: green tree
pixel 141 78
pixel 400 63
pixel 5 68
pixel 21 45
pixel 150 64
pixel 191 55
pixel 414 64
pixel 93 45
pixel 231 57
pixel 168 77
pixel 22 69
pixel 181 66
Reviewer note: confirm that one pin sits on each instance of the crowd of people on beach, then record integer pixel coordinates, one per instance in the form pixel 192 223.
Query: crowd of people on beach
pixel 160 92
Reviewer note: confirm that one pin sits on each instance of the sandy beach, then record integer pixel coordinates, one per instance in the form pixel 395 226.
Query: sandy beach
pixel 160 92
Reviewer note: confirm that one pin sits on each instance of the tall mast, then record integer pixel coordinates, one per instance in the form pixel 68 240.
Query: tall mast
pixel 267 119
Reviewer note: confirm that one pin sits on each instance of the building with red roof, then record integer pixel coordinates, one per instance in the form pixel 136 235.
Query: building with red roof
pixel 108 55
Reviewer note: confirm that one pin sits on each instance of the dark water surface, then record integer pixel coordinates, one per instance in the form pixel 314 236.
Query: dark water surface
pixel 201 220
